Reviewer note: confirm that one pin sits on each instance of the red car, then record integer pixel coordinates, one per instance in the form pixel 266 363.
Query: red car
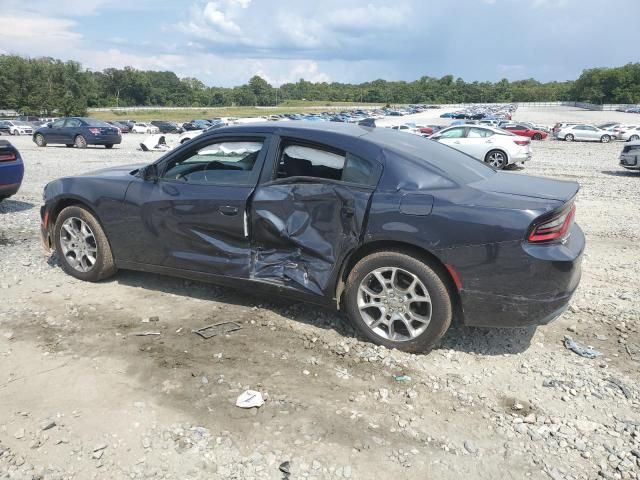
pixel 525 131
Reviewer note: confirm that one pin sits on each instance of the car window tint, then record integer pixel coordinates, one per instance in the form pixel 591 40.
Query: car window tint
pixel 92 122
pixel 453 133
pixel 479 133
pixel 73 122
pixel 58 123
pixel 302 161
pixel 227 162
pixel 358 170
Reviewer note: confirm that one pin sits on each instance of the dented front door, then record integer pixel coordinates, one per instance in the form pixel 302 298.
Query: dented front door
pixel 302 232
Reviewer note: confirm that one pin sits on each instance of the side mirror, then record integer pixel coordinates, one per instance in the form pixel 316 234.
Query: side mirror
pixel 150 173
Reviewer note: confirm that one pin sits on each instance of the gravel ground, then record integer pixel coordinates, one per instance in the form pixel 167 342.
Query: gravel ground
pixel 83 397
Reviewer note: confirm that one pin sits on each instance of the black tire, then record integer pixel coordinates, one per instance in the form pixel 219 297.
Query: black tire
pixel 634 138
pixel 430 276
pixel 568 137
pixel 109 145
pixel 80 141
pixel 497 159
pixel 605 139
pixel 40 140
pixel 104 265
pixel 69 145
pixel 537 136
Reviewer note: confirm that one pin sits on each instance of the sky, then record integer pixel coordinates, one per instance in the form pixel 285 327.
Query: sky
pixel 226 42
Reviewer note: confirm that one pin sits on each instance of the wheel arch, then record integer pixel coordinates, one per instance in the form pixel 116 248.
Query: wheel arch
pixel 395 245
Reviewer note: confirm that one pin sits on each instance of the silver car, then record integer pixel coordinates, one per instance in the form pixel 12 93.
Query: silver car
pixel 630 156
pixel 628 133
pixel 588 133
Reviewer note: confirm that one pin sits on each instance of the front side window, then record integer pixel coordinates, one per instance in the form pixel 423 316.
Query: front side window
pixel 223 163
pixel 58 123
pixel 479 133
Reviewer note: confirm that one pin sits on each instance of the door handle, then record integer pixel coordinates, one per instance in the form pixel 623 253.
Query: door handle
pixel 348 211
pixel 457 141
pixel 228 210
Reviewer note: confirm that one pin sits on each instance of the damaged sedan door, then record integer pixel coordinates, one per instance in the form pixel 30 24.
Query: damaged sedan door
pixel 308 215
pixel 191 214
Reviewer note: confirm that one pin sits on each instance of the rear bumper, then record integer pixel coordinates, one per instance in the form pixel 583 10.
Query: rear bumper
pixel 104 140
pixel 11 174
pixel 518 284
pixel 8 189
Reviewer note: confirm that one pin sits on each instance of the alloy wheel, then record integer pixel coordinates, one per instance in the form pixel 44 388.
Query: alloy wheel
pixel 497 159
pixel 78 244
pixel 394 303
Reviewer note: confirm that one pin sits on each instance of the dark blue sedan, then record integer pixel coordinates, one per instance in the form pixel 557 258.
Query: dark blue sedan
pixel 11 170
pixel 400 232
pixel 78 132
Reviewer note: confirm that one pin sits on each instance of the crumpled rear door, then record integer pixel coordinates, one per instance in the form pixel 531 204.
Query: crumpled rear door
pixel 301 232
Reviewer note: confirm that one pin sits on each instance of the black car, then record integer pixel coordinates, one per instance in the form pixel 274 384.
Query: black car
pixel 400 232
pixel 167 127
pixel 78 132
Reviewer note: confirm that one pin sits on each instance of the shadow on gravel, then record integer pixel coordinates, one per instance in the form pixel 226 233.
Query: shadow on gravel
pixel 488 341
pixel 621 173
pixel 10 206
pixel 485 341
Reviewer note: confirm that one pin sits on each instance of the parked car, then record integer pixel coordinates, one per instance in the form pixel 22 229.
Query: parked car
pixel 525 131
pixel 559 126
pixel 396 231
pixel 11 170
pixel 123 127
pixel 167 127
pixel 587 133
pixel 147 128
pixel 628 133
pixel 493 146
pixel 78 132
pixel 630 156
pixel 16 127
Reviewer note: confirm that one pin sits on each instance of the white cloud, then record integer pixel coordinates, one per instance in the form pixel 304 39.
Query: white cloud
pixel 55 35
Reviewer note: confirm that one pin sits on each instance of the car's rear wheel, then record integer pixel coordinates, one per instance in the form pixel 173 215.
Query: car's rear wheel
pixel 605 139
pixel 80 142
pixel 109 145
pixel 16 133
pixel 568 137
pixel 497 159
pixel 634 138
pixel 82 246
pixel 399 301
pixel 537 136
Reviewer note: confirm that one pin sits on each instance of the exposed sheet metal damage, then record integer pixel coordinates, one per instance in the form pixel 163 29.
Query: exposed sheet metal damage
pixel 302 230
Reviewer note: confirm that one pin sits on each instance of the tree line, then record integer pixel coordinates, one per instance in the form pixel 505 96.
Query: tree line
pixel 51 86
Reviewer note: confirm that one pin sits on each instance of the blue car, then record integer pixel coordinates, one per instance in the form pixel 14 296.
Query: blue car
pixel 11 170
pixel 78 132
pixel 399 232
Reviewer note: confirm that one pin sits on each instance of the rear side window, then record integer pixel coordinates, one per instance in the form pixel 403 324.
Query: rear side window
pixel 327 164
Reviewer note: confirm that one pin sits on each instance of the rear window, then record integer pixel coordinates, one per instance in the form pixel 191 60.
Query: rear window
pixel 457 166
pixel 92 122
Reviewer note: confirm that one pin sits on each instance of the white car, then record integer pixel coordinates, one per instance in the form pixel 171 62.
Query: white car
pixel 189 135
pixel 407 129
pixel 628 133
pixel 587 133
pixel 145 128
pixel 494 146
pixel 16 127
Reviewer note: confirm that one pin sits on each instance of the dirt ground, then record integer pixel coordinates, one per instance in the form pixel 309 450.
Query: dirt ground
pixel 83 396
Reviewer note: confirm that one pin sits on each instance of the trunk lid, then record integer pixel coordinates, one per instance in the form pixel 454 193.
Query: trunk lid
pixel 528 186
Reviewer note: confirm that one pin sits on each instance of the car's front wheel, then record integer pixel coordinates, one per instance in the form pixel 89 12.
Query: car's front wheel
pixel 80 142
pixel 605 139
pixel 82 246
pixel 398 301
pixel 109 145
pixel 497 159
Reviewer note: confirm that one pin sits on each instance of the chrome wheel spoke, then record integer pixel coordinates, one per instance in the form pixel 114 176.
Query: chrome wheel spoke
pixel 394 303
pixel 78 244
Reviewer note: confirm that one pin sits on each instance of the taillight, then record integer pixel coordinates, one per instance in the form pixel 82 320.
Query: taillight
pixel 522 143
pixel 7 156
pixel 95 131
pixel 554 228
